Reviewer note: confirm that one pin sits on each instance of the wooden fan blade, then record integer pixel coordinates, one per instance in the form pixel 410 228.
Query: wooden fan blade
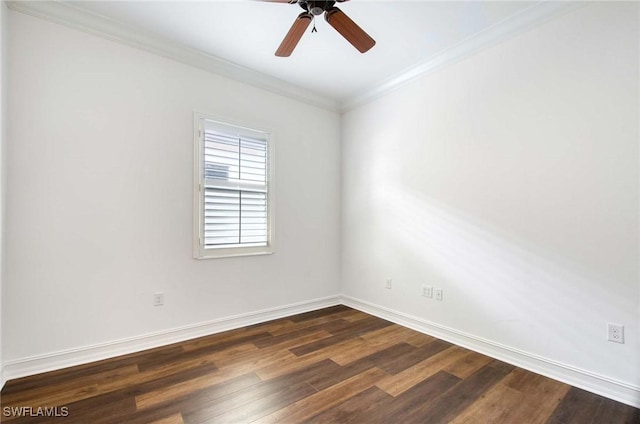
pixel 294 35
pixel 349 29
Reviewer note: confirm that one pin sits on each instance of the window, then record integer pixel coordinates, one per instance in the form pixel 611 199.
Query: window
pixel 234 216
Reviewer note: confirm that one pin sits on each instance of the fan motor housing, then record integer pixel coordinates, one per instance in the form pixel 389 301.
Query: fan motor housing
pixel 316 7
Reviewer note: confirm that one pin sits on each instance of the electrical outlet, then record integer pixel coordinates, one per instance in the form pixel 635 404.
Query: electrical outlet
pixel 387 283
pixel 427 291
pixel 439 294
pixel 615 333
pixel 158 299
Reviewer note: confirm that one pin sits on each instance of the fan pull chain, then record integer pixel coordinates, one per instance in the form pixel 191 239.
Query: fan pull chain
pixel 314 25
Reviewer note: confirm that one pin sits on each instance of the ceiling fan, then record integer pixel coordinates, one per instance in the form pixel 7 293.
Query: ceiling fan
pixel 334 16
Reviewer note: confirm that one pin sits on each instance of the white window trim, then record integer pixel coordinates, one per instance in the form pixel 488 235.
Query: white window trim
pixel 199 252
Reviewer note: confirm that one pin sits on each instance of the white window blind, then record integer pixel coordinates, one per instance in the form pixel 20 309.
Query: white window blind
pixel 234 187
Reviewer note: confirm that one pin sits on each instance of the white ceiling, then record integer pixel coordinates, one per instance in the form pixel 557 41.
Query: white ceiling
pixel 411 36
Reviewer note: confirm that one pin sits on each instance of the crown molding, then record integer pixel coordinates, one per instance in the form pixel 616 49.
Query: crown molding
pixel 509 27
pixel 74 17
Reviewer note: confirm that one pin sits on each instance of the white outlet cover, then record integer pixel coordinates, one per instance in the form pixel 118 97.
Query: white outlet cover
pixel 427 291
pixel 615 333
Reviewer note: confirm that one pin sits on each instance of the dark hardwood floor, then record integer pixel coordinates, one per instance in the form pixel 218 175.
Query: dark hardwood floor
pixel 335 365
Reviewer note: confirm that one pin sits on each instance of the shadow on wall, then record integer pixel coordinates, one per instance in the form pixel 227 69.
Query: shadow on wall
pixel 497 288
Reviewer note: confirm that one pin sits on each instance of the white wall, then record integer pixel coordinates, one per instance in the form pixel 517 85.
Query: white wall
pixel 3 130
pixel 99 195
pixel 509 179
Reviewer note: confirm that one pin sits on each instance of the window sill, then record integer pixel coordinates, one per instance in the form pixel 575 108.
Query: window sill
pixel 232 252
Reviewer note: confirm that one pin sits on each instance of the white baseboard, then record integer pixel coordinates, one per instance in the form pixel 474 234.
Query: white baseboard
pixel 71 357
pixel 592 382
pixel 604 386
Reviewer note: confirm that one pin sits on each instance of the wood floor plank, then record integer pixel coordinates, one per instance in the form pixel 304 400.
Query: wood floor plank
pixel 410 405
pixel 153 374
pixel 356 349
pixel 228 346
pixel 580 406
pixel 402 362
pixel 321 382
pixel 467 365
pixel 330 324
pixel 354 409
pixel 360 348
pixel 58 399
pixel 227 338
pixel 500 405
pixel 577 406
pixel 298 334
pixel 106 408
pixel 173 419
pixel 533 401
pixel 65 375
pixel 377 359
pixel 463 394
pixel 194 400
pixel 403 381
pixel 292 362
pixel 185 388
pixel 62 391
pixel 230 367
pixel 378 340
pixel 303 409
pixel 86 410
pixel 343 318
pixel 258 407
pixel 263 398
pixel 615 412
pixel 117 406
pixel 417 339
pixel 352 331
pixel 320 313
pixel 334 365
pixel 357 316
pixel 399 332
pixel 384 359
pixel 257 358
pixel 542 394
